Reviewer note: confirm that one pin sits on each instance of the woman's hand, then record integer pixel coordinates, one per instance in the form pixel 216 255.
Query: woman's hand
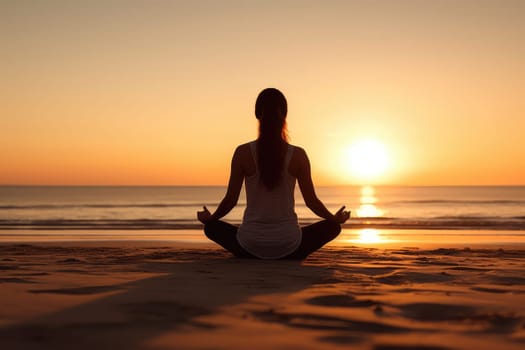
pixel 342 215
pixel 204 216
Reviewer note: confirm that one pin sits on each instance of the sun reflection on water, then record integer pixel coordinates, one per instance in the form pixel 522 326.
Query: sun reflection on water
pixel 367 207
pixel 369 235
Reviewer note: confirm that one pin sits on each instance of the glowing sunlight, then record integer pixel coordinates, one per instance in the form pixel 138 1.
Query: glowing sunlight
pixel 367 159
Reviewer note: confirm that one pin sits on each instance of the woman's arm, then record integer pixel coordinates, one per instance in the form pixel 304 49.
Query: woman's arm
pixel 232 193
pixel 304 178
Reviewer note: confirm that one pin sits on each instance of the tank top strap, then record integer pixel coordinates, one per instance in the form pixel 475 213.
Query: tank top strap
pixel 253 148
pixel 289 153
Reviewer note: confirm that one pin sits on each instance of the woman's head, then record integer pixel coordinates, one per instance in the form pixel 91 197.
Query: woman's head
pixel 271 103
pixel 271 109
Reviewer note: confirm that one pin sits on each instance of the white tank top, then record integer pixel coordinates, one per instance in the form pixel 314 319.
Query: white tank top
pixel 269 229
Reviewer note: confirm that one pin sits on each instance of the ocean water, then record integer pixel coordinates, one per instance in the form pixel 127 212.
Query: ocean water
pixel 174 207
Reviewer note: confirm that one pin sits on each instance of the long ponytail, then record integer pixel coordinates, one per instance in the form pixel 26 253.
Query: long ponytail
pixel 271 109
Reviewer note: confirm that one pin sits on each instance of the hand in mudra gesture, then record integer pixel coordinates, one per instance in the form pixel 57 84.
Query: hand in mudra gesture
pixel 342 215
pixel 204 215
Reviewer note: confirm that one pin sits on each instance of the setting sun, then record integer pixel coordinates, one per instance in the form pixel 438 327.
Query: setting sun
pixel 367 159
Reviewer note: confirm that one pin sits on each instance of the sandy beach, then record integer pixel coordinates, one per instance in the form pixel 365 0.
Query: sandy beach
pixel 151 295
pixel 384 136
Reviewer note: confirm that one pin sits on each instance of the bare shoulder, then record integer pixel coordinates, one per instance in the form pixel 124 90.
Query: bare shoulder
pixel 298 162
pixel 243 150
pixel 299 154
pixel 243 157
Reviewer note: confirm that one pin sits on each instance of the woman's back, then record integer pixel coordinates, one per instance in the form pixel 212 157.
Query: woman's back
pixel 270 228
pixel 270 206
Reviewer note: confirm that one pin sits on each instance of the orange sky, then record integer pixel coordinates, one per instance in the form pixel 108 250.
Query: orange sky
pixel 160 93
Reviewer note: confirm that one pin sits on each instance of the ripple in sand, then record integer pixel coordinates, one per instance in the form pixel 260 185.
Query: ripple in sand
pixel 71 261
pixel 32 274
pixel 165 312
pixel 490 290
pixel 508 280
pixel 341 339
pixel 325 322
pixel 490 322
pixel 340 300
pixel 14 280
pixel 409 347
pixel 77 291
pixel 429 312
pixel 373 271
pixel 397 278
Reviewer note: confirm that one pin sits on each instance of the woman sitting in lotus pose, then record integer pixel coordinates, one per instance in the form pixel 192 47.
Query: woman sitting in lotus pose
pixel 270 167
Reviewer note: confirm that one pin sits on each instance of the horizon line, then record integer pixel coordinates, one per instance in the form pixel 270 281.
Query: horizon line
pixel 225 185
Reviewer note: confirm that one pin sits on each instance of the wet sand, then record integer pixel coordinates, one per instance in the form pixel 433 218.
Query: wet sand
pixel 158 295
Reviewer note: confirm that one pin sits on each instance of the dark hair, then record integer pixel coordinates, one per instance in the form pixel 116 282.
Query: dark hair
pixel 271 109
